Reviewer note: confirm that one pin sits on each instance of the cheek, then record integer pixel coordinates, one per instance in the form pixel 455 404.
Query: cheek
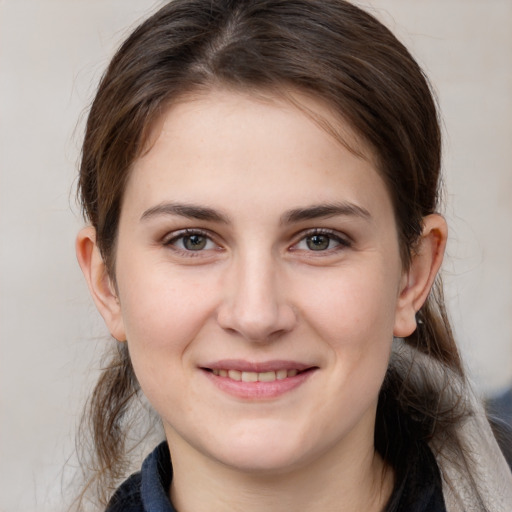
pixel 163 315
pixel 353 308
pixel 353 313
pixel 163 311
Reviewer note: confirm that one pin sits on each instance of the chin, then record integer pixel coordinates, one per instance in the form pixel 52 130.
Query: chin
pixel 264 462
pixel 263 452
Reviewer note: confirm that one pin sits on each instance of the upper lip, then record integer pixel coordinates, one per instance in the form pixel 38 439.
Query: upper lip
pixel 258 367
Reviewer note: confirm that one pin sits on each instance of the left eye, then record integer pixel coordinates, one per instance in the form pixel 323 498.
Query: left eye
pixel 192 242
pixel 320 242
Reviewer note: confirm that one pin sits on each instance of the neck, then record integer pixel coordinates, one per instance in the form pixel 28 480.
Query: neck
pixel 348 482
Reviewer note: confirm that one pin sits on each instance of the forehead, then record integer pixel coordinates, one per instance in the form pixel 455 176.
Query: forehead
pixel 302 103
pixel 226 142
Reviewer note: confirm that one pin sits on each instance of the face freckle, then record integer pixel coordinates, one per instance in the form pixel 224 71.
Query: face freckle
pixel 258 272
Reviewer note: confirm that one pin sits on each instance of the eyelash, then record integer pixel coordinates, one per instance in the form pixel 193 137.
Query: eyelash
pixel 343 242
pixel 184 234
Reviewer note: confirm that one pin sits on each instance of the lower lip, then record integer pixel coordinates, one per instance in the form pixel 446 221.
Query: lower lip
pixel 258 390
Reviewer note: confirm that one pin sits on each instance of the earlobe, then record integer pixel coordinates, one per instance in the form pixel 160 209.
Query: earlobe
pixel 419 278
pixel 100 285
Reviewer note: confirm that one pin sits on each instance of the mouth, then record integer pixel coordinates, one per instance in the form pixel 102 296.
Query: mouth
pixel 269 376
pixel 258 380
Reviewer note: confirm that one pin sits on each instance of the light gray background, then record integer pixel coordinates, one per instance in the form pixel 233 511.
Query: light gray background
pixel 52 53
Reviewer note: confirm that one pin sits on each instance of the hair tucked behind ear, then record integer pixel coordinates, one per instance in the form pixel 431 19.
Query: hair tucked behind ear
pixel 434 335
pixel 417 405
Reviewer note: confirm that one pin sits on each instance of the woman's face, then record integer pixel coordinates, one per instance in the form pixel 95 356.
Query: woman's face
pixel 258 276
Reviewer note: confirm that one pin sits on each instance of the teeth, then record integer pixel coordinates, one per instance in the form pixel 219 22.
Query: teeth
pixel 281 374
pixel 249 376
pixel 267 376
pixel 235 375
pixel 255 376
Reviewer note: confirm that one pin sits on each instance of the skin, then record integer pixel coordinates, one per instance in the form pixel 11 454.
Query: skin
pixel 247 174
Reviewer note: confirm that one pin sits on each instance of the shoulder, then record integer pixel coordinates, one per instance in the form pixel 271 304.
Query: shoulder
pixel 499 411
pixel 501 406
pixel 147 489
pixel 418 485
pixel 128 497
pixel 503 434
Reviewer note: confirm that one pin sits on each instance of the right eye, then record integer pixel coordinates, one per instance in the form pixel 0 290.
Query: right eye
pixel 191 241
pixel 320 242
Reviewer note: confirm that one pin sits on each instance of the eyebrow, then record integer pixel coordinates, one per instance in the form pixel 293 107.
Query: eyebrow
pixel 189 211
pixel 325 211
pixel 204 213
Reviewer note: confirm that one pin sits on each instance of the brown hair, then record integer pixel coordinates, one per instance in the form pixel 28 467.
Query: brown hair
pixel 329 49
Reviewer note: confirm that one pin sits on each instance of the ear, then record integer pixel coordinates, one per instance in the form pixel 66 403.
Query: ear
pixel 419 278
pixel 100 285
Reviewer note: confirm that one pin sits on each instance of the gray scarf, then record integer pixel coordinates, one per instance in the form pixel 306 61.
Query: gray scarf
pixel 476 477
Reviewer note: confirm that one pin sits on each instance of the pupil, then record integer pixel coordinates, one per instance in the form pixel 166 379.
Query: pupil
pixel 317 242
pixel 195 242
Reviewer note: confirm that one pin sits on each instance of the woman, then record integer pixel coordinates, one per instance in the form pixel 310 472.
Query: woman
pixel 261 181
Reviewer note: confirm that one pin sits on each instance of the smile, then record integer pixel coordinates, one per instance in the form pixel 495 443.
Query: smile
pixel 269 376
pixel 258 381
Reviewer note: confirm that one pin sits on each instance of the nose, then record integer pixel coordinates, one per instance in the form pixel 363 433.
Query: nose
pixel 254 304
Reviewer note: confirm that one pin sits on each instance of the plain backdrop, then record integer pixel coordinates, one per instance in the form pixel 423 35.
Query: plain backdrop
pixel 52 53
